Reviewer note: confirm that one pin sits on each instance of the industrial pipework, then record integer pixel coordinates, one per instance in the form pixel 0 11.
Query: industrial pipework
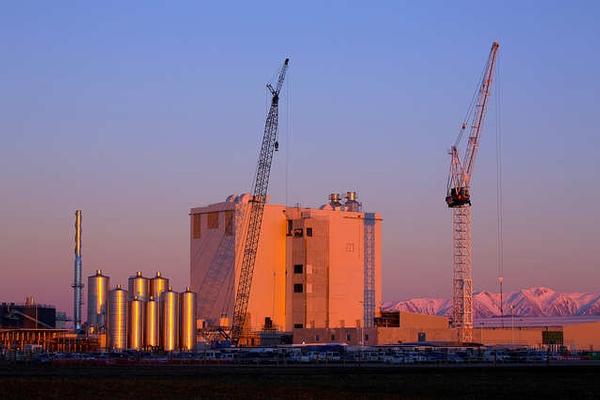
pixel 77 283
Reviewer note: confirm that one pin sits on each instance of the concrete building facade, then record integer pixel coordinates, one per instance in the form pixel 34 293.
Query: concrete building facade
pixel 399 327
pixel 315 268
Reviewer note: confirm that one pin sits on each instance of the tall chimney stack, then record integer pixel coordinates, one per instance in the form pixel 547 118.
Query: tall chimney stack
pixel 77 283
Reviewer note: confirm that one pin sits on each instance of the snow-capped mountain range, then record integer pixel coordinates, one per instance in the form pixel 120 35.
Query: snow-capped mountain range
pixel 532 302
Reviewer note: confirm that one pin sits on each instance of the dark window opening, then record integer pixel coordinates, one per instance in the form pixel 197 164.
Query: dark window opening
pixel 552 337
pixel 299 326
pixel 196 230
pixel 348 337
pixel 317 338
pixel 229 223
pixel 268 323
pixel 366 336
pixel 212 220
pixel 289 227
pixel 308 231
pixel 332 338
pixel 298 288
pixel 298 232
pixel 298 268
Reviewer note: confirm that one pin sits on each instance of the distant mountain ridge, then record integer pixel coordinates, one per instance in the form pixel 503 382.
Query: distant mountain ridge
pixel 532 302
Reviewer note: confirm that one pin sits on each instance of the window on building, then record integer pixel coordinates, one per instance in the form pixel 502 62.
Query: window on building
pixel 212 220
pixel 290 226
pixel 317 338
pixel 298 288
pixel 308 231
pixel 298 268
pixel 333 338
pixel 298 232
pixel 366 337
pixel 228 223
pixel 348 337
pixel 298 326
pixel 196 230
pixel 552 337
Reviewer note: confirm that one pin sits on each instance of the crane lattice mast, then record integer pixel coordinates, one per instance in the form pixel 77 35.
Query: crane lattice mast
pixel 257 206
pixel 458 199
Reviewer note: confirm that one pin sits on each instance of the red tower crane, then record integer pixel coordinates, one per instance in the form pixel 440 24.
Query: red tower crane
pixel 458 198
pixel 257 207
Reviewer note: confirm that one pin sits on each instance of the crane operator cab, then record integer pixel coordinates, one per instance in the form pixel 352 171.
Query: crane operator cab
pixel 458 197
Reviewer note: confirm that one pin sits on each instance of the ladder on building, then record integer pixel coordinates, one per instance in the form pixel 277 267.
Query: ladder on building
pixel 369 267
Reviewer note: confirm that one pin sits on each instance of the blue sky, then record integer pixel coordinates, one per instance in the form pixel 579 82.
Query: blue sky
pixel 136 112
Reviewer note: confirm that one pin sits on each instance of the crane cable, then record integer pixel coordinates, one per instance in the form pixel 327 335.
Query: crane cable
pixel 470 109
pixel 499 205
pixel 288 134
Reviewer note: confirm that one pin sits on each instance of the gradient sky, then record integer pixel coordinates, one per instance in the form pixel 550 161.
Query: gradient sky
pixel 137 111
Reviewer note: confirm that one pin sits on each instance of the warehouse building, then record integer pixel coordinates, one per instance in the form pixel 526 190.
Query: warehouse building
pixel 315 267
pixel 28 315
pixel 397 327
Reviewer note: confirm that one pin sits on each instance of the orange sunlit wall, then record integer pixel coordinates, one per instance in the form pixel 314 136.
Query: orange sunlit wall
pixel 309 271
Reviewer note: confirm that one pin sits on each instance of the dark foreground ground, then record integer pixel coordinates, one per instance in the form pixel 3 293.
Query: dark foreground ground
pixel 298 382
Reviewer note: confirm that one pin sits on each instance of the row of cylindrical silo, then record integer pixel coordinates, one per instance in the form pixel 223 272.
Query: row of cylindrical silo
pixel 150 315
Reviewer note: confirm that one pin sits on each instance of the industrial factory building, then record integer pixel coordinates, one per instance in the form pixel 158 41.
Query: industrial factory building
pixel 35 326
pixel 315 267
pixel 28 315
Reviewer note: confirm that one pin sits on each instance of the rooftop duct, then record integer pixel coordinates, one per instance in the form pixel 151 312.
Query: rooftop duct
pixel 351 203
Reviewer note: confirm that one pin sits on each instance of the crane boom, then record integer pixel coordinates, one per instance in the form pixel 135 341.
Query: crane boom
pixel 459 181
pixel 257 206
pixel 458 198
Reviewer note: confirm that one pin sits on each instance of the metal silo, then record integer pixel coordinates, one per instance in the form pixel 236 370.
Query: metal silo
pixel 187 338
pixel 169 320
pixel 117 312
pixel 97 317
pixel 138 287
pixel 158 284
pixel 152 325
pixel 135 326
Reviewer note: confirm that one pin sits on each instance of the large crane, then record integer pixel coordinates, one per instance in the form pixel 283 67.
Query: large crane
pixel 458 198
pixel 257 207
